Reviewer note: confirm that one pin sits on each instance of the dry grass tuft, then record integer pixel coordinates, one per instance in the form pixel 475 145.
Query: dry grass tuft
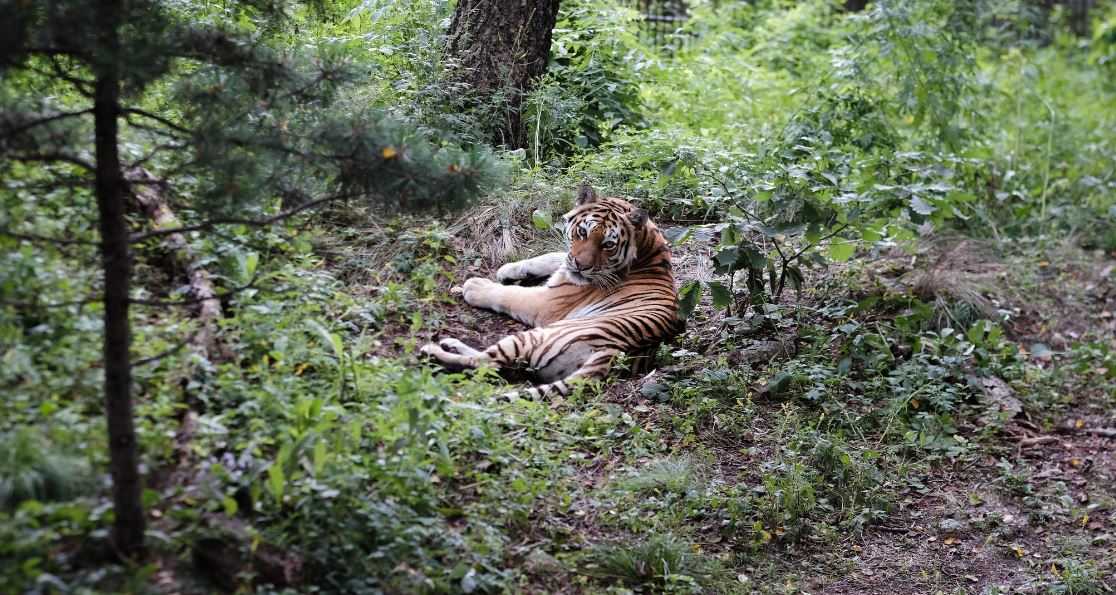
pixel 958 283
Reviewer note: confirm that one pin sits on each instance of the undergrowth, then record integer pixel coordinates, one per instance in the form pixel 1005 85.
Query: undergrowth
pixel 800 157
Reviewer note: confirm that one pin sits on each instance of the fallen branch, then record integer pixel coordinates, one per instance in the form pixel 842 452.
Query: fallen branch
pixel 201 284
pixel 203 343
pixel 1101 432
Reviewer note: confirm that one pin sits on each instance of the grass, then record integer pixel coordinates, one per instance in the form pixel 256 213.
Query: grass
pixel 676 475
pixel 31 469
pixel 656 560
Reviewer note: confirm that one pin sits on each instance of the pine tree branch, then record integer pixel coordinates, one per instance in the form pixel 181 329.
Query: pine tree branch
pixel 159 119
pixel 52 158
pixel 50 51
pixel 34 305
pixel 39 122
pixel 209 224
pixel 31 237
pixel 83 86
pixel 155 150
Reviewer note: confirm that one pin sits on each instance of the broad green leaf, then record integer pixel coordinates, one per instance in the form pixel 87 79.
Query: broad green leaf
pixel 840 251
pixel 727 257
pixel 920 206
pixel 331 339
pixel 756 260
pixel 276 480
pixel 722 297
pixel 320 456
pixel 688 298
pixel 678 235
pixel 250 263
pixel 149 497
pixel 542 219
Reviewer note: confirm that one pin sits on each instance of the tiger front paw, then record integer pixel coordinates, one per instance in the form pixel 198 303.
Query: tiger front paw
pixel 513 271
pixel 478 292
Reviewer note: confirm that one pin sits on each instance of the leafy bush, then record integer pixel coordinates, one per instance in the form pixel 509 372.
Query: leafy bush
pixel 593 85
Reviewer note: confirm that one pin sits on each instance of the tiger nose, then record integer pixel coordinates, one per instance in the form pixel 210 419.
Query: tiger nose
pixel 580 266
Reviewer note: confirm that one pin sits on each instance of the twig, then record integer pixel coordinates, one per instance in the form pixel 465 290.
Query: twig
pixel 1037 440
pixel 783 272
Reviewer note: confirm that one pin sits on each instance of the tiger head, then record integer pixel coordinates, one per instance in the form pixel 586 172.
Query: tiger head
pixel 602 236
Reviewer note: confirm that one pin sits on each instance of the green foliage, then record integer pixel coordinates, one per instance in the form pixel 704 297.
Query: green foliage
pixel 592 87
pixel 31 470
pixel 783 148
pixel 244 121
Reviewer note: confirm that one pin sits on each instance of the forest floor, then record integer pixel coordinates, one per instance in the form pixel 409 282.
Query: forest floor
pixel 1024 499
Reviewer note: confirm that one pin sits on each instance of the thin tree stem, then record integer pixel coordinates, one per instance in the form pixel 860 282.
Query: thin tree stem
pixel 110 187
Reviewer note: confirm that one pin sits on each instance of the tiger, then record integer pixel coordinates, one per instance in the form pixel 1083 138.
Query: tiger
pixel 611 293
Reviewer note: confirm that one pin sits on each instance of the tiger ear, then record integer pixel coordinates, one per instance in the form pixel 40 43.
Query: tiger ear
pixel 586 194
pixel 638 218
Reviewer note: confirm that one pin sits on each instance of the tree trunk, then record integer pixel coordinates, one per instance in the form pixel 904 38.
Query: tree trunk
pixel 501 47
pixel 116 261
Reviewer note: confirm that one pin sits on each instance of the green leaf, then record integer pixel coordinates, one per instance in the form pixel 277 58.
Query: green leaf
pixel 780 383
pixel 542 219
pixel 230 506
pixel 248 268
pixel 976 333
pixel 678 235
pixel 469 581
pixel 756 259
pixel 722 297
pixel 920 206
pixel 688 298
pixel 841 251
pixel 276 480
pixel 727 257
pixel 149 497
pixel 654 390
pixel 320 457
pixel 795 278
pixel 331 339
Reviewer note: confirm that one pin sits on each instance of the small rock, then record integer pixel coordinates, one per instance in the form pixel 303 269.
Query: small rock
pixel 540 562
pixel 997 396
